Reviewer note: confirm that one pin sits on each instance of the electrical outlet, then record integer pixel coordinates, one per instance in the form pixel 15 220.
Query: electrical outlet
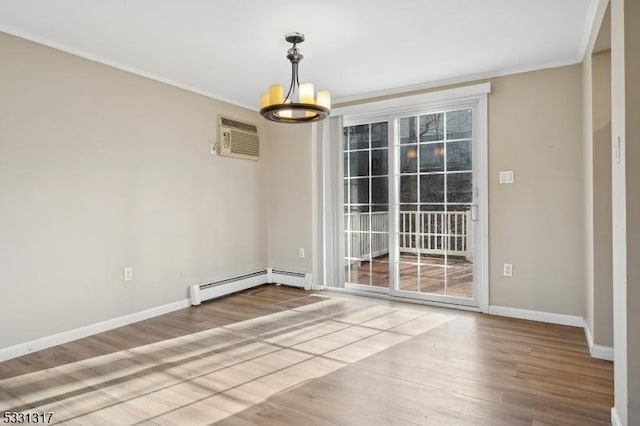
pixel 301 253
pixel 507 270
pixel 128 273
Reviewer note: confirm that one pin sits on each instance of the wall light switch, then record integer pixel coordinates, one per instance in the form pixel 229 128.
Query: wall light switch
pixel 301 253
pixel 508 270
pixel 506 176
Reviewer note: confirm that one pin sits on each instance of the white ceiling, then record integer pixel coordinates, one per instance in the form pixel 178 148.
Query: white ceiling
pixel 233 49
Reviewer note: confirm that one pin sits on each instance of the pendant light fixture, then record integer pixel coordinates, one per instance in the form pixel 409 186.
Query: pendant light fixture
pixel 299 105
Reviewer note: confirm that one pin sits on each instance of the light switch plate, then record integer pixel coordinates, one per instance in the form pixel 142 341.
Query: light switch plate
pixel 506 176
pixel 507 270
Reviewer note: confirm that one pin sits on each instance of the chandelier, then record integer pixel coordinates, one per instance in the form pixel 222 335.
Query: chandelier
pixel 300 105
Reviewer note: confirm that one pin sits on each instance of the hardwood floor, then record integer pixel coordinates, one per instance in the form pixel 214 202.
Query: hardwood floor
pixel 276 355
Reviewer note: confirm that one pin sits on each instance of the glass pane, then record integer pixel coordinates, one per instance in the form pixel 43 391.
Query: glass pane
pixel 432 157
pixel 409 159
pixel 359 222
pixel 437 208
pixel 359 163
pixel 408 227
pixel 408 130
pixel 379 135
pixel 408 277
pixel 347 246
pixel 432 127
pixel 460 282
pixel 379 162
pixel 432 188
pixel 459 124
pixel 379 190
pixel 345 138
pixel 459 188
pixel 432 218
pixel 433 259
pixel 360 273
pixel 432 229
pixel 380 274
pixel 380 208
pixel 408 189
pixel 459 156
pixel 346 191
pixel 408 208
pixel 359 191
pixel 359 137
pixel 459 229
pixel 360 245
pixel 432 279
pixel 345 163
pixel 380 223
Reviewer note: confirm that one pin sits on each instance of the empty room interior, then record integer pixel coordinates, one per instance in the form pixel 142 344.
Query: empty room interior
pixel 326 213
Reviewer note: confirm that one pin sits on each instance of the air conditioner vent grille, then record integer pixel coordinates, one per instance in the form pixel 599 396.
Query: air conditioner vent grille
pixel 245 143
pixel 227 122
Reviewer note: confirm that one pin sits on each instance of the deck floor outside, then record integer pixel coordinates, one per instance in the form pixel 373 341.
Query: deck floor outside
pixel 425 274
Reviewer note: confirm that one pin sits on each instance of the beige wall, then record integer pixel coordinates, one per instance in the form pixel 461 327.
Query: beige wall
pixel 290 196
pixel 601 166
pixel 536 224
pixel 101 169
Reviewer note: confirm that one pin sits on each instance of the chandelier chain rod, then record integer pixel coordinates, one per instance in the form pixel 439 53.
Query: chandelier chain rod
pixel 294 81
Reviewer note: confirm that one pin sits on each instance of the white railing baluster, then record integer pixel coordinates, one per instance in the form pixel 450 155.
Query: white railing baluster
pixel 455 228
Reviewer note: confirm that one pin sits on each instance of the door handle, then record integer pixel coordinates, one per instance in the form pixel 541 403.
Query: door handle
pixel 474 212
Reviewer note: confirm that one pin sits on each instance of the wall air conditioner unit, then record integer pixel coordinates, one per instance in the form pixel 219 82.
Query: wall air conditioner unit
pixel 238 139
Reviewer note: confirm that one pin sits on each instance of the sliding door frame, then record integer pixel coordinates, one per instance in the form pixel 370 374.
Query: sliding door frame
pixel 474 97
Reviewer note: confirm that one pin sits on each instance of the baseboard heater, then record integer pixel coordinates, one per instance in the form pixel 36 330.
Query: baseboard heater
pixel 201 292
pixel 296 279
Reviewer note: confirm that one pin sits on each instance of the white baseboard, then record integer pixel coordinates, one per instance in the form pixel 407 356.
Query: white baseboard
pixel 562 319
pixel 602 352
pixel 615 418
pixel 597 351
pixel 88 330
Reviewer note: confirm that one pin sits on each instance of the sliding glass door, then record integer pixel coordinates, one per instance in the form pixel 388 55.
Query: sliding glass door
pixel 366 206
pixel 410 205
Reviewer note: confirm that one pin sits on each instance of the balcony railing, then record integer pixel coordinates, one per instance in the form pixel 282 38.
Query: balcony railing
pixel 427 233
